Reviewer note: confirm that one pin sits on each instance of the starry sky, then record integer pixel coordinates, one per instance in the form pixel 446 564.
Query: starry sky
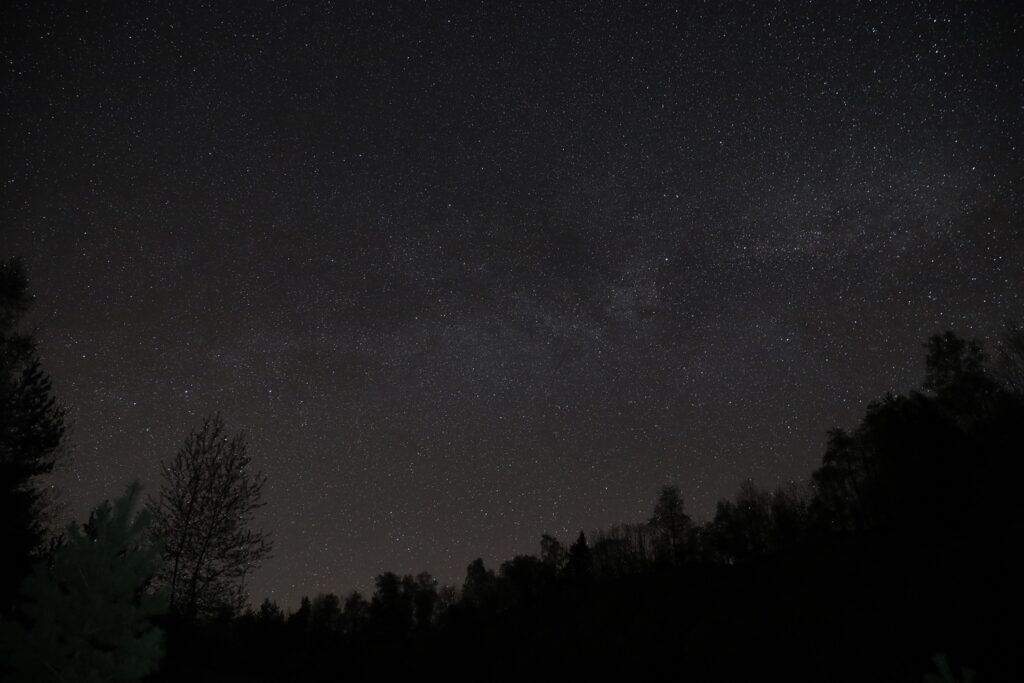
pixel 465 273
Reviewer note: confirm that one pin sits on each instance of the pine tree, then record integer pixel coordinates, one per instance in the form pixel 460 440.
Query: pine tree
pixel 88 616
pixel 31 434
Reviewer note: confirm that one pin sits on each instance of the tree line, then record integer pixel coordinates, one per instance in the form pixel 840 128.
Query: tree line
pixel 908 529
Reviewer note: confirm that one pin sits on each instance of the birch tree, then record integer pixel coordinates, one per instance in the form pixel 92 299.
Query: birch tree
pixel 202 517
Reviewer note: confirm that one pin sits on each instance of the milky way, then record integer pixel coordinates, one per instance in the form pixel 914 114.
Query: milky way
pixel 465 274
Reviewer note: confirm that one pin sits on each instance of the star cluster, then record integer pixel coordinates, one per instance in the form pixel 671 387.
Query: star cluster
pixel 465 274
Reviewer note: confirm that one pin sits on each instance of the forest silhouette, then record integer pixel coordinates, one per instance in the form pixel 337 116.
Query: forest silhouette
pixel 898 559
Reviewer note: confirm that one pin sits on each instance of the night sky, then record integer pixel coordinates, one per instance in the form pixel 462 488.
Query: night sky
pixel 468 273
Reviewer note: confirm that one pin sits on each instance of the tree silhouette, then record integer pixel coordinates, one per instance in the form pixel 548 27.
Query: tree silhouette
pixel 741 528
pixel 297 623
pixel 887 542
pixel 911 454
pixel 202 516
pixel 670 525
pixel 552 553
pixel 269 614
pixel 425 600
pixel 841 481
pixel 479 590
pixel 1009 368
pixel 613 554
pixel 790 517
pixel 579 568
pixel 523 577
pixel 31 434
pixel 392 608
pixel 325 616
pixel 356 613
pixel 89 614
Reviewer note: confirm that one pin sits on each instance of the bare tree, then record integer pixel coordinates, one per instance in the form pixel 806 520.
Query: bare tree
pixel 207 501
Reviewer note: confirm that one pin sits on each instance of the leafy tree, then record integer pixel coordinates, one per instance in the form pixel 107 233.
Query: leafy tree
pixel 269 614
pixel 356 614
pixel 31 435
pixel 298 621
pixel 670 525
pixel 447 598
pixel 789 517
pixel 480 587
pixel 392 607
pixel 841 482
pixel 202 515
pixel 619 551
pixel 523 578
pixel 638 540
pixel 265 634
pixel 961 378
pixel 89 614
pixel 579 568
pixel 325 616
pixel 951 361
pixel 912 454
pixel 1009 367
pixel 425 600
pixel 741 528
pixel 552 553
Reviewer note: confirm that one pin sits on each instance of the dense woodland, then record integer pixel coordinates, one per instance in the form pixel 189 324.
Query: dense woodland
pixel 898 559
